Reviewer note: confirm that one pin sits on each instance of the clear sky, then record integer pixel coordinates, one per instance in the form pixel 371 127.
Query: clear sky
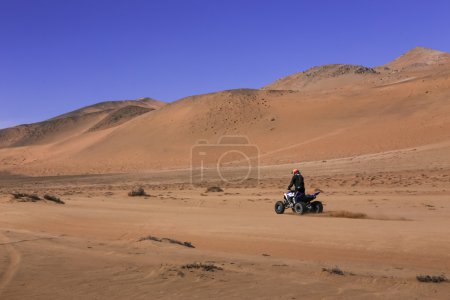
pixel 59 55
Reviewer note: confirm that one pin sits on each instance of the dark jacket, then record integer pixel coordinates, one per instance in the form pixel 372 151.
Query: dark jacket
pixel 298 183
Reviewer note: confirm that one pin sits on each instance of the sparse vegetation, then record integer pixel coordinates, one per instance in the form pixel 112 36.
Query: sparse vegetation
pixel 53 198
pixel 432 278
pixel 214 189
pixel 25 197
pixel 137 192
pixel 335 270
pixel 169 240
pixel 365 70
pixel 204 267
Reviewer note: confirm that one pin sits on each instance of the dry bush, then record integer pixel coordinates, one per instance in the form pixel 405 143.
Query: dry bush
pixel 25 197
pixel 204 267
pixel 335 270
pixel 53 198
pixel 432 278
pixel 214 189
pixel 137 192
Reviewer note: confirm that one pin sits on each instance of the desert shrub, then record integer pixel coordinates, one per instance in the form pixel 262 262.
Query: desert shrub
pixel 335 270
pixel 431 278
pixel 25 197
pixel 137 192
pixel 214 189
pixel 53 198
pixel 204 267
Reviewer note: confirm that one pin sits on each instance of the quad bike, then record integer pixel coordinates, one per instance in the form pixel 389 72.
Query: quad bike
pixel 300 203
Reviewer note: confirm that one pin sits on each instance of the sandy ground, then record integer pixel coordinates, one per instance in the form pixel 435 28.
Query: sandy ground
pixel 89 248
pixel 377 144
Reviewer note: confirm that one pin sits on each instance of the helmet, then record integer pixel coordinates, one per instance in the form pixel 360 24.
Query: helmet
pixel 295 171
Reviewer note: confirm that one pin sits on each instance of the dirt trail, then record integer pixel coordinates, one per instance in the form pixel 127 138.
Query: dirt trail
pixel 14 259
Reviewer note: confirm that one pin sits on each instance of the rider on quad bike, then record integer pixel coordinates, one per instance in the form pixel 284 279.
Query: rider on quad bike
pixel 298 182
pixel 297 199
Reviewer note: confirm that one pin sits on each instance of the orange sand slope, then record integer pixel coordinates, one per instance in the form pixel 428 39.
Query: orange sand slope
pixel 94 117
pixel 324 113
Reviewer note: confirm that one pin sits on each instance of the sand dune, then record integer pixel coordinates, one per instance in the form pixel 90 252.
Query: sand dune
pixel 324 113
pixel 101 115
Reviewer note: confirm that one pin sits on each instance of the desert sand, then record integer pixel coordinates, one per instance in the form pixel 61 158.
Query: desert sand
pixel 375 141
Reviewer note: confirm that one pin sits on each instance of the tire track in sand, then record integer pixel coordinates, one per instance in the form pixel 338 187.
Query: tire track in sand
pixel 14 262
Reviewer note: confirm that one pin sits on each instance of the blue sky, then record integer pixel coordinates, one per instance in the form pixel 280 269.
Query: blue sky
pixel 56 56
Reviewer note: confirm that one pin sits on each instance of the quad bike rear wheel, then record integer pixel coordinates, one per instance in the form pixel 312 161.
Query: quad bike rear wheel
pixel 300 208
pixel 279 207
pixel 317 207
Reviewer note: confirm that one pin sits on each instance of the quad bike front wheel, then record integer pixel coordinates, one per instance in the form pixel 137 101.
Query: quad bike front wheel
pixel 300 208
pixel 279 207
pixel 317 207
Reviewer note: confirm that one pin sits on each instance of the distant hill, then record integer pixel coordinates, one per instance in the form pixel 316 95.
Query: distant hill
pixel 419 57
pixel 328 76
pixel 98 116
pixel 326 112
pixel 339 76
